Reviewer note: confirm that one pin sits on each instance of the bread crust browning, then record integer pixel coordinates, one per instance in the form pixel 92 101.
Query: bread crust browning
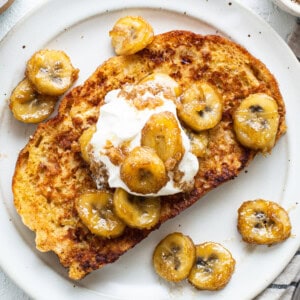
pixel 50 172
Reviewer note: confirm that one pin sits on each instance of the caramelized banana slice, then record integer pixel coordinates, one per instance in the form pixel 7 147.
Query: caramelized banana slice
pixel 95 209
pixel 213 267
pixel 263 222
pixel 143 171
pixel 51 72
pixel 135 211
pixel 84 141
pixel 199 142
pixel 256 122
pixel 28 106
pixel 162 133
pixel 130 35
pixel 163 80
pixel 174 257
pixel 200 107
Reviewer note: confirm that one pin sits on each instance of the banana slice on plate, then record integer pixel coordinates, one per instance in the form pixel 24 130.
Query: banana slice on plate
pixel 213 267
pixel 51 72
pixel 131 34
pixel 84 140
pixel 162 133
pixel 143 171
pixel 28 106
pixel 135 211
pixel 174 257
pixel 200 107
pixel 263 222
pixel 95 209
pixel 256 122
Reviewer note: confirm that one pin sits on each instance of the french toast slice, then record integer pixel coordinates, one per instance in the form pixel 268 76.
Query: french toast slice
pixel 50 172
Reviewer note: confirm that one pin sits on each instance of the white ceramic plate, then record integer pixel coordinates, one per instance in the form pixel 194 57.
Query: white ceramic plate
pixel 81 29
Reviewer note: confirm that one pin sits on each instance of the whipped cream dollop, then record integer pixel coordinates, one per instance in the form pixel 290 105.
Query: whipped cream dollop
pixel 122 117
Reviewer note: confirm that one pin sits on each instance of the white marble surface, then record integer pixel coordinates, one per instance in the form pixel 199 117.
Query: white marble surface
pixel 279 20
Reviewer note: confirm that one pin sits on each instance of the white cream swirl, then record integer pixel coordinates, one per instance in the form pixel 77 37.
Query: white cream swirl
pixel 120 122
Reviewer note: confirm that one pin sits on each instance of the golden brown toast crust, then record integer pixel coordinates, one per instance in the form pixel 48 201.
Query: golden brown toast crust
pixel 50 172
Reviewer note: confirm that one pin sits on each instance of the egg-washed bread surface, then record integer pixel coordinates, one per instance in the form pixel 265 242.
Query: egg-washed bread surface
pixel 50 172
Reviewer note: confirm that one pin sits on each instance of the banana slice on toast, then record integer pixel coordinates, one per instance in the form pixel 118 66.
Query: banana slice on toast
pixel 201 106
pixel 84 141
pixel 96 211
pixel 162 134
pixel 256 122
pixel 143 171
pixel 135 211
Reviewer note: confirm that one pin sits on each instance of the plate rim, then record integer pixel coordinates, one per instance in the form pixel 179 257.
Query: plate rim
pixel 129 4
